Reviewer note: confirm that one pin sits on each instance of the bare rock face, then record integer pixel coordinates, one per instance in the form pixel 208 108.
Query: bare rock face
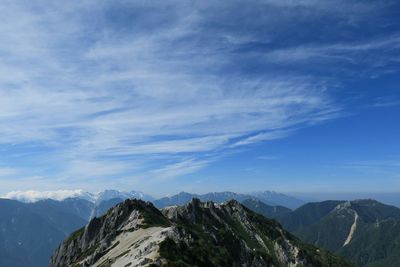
pixel 134 233
pixel 86 246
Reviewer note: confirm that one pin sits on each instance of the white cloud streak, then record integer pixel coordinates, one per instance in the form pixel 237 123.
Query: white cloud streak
pixel 181 168
pixel 266 136
pixel 347 52
pixel 33 196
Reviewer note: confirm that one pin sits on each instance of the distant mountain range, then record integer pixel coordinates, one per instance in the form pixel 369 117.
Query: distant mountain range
pixel 364 231
pixel 268 197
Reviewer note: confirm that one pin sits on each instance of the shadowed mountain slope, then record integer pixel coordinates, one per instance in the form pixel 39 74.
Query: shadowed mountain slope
pixel 364 231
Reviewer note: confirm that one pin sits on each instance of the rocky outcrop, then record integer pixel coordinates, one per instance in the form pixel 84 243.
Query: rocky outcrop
pixel 135 233
pixel 86 246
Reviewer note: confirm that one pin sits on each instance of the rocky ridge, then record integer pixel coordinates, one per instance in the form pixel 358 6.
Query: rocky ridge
pixel 135 233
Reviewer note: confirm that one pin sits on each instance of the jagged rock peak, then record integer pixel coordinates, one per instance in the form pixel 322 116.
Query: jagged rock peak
pixel 87 245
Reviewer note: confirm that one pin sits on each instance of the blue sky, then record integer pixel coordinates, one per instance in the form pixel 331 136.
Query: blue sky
pixel 164 96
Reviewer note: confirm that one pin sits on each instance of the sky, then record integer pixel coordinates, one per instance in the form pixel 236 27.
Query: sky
pixel 166 96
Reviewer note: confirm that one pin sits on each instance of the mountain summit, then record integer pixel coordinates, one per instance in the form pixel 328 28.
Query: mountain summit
pixel 135 233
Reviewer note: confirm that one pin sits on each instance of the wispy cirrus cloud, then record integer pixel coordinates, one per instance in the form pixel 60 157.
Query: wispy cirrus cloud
pixel 264 136
pixel 386 102
pixel 350 52
pixel 183 167
pixel 97 88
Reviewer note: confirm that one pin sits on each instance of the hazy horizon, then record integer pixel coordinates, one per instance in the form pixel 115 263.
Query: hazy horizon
pixel 392 198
